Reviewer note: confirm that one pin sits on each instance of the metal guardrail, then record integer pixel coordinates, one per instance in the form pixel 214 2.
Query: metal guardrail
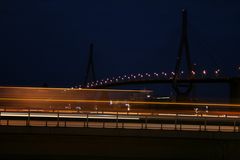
pixel 179 122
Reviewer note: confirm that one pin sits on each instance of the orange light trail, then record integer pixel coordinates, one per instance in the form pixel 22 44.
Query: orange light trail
pixel 123 102
pixel 78 89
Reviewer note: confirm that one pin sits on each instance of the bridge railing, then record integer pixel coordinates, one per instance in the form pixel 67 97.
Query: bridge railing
pixel 181 122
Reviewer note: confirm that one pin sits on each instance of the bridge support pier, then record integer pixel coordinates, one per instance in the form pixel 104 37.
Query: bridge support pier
pixel 234 85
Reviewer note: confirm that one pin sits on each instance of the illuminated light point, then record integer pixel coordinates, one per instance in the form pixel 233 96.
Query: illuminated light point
pixel 128 106
pixel 193 72
pixel 173 73
pixel 182 72
pixel 111 102
pixel 204 72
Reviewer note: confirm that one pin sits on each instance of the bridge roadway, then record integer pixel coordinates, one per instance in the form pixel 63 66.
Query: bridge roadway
pixel 41 124
pixel 127 106
pixel 20 105
pixel 158 80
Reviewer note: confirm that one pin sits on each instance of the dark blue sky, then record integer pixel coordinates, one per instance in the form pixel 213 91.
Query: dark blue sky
pixel 47 40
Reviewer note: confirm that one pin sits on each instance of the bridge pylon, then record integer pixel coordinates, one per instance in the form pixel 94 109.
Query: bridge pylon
pixel 183 90
pixel 90 72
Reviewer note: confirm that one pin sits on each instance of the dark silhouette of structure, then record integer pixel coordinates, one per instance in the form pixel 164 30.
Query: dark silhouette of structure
pixel 90 72
pixel 234 85
pixel 183 89
pixel 45 84
pixel 183 86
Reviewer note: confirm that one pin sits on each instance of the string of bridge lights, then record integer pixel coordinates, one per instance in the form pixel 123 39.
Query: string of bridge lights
pixel 145 76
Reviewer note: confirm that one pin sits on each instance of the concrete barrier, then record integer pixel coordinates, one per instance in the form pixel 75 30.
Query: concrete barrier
pixel 92 143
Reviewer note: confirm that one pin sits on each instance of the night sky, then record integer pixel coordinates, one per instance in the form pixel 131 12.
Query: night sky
pixel 47 40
